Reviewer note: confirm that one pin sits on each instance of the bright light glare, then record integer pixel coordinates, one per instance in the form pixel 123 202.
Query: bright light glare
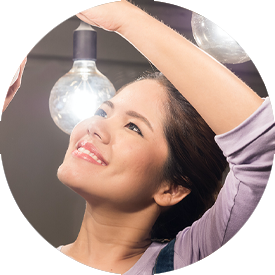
pixel 83 104
pixel 77 95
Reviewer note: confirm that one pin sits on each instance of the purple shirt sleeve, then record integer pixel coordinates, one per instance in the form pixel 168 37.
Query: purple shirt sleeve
pixel 249 149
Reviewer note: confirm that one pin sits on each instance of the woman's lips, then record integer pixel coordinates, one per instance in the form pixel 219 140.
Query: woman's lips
pixel 89 152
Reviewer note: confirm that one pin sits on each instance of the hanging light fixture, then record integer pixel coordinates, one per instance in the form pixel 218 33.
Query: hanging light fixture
pixel 77 94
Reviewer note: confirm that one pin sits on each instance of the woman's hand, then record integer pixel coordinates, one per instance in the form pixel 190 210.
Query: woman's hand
pixel 111 17
pixel 15 86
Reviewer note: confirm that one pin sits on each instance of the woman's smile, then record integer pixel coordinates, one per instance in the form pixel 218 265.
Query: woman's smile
pixel 87 151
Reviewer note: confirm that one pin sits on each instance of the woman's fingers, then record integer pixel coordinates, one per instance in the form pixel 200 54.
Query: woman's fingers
pixel 15 85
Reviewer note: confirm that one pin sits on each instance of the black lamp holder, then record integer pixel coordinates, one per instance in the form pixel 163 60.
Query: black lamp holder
pixel 84 42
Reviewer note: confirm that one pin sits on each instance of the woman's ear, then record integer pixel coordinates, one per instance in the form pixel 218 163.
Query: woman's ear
pixel 170 194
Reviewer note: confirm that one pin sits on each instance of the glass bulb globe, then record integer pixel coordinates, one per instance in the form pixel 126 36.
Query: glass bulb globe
pixel 216 42
pixel 78 94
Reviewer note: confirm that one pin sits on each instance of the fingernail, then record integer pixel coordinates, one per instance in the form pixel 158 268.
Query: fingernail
pixel 15 76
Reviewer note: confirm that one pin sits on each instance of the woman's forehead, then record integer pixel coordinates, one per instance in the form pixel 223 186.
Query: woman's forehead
pixel 145 96
pixel 147 90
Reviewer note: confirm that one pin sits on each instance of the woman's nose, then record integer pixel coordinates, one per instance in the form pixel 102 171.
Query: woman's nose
pixel 99 129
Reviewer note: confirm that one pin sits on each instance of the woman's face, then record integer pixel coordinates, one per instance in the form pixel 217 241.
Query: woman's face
pixel 115 158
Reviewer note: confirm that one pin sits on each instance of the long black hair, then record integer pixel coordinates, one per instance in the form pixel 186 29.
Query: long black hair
pixel 195 162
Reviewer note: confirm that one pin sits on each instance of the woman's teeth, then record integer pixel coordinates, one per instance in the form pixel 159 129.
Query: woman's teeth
pixel 85 151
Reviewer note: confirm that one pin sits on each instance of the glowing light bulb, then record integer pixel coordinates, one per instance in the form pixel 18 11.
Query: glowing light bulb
pixel 77 94
pixel 216 42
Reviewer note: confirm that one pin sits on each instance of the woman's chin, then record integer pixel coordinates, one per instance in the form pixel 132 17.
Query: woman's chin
pixel 72 179
pixel 64 174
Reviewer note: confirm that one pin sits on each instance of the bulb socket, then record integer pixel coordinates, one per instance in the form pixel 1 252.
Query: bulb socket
pixel 84 43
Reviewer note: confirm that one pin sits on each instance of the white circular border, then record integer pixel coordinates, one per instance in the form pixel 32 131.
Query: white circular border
pixel 23 24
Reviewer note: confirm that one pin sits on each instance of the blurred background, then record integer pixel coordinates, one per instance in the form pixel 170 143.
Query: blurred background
pixel 33 147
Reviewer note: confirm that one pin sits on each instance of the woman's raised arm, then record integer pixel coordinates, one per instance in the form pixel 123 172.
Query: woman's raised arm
pixel 220 97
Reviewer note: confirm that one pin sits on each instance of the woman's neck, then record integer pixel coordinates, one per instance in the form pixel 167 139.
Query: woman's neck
pixel 112 241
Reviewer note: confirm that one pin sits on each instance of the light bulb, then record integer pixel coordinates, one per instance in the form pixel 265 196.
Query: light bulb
pixel 216 42
pixel 77 94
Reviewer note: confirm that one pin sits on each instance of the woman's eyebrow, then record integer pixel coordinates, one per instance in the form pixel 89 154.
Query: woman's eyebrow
pixel 132 114
pixel 141 117
pixel 109 103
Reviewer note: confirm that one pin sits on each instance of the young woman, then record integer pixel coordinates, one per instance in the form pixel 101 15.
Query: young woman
pixel 148 164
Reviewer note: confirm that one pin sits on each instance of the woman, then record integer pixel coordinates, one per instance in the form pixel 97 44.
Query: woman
pixel 127 160
pixel 118 159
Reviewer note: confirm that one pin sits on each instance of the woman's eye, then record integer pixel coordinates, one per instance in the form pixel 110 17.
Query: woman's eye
pixel 100 112
pixel 134 128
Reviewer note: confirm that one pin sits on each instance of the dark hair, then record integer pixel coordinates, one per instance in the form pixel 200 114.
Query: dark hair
pixel 195 162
